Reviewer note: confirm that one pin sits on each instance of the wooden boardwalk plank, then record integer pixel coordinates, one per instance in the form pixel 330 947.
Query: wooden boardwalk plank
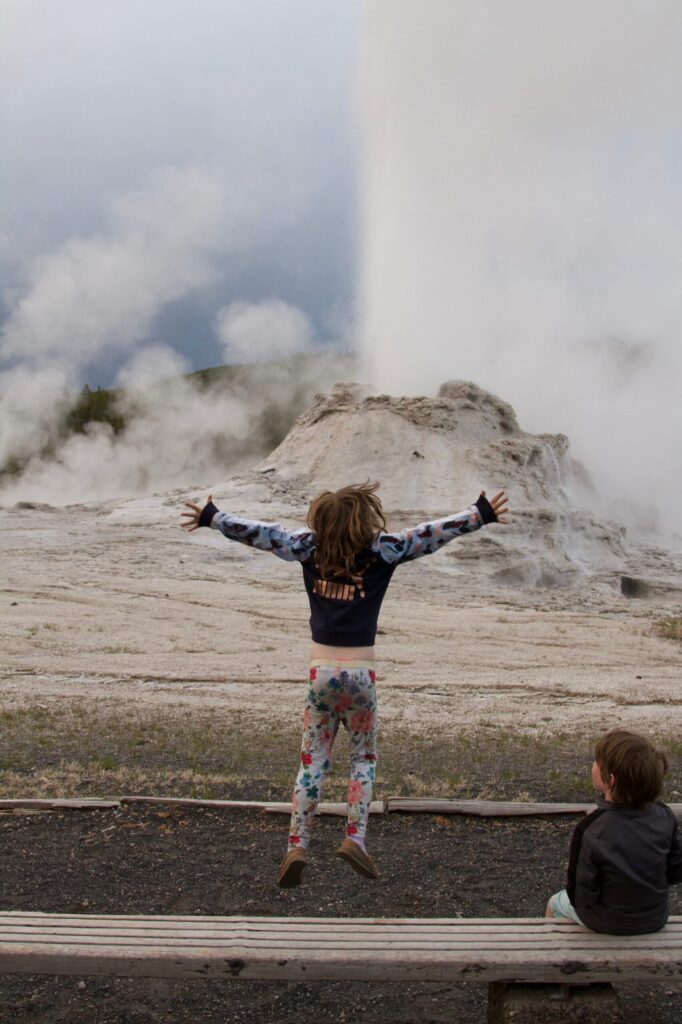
pixel 321 930
pixel 277 946
pixel 394 804
pixel 327 932
pixel 269 806
pixel 58 804
pixel 266 925
pixel 490 808
pixel 89 804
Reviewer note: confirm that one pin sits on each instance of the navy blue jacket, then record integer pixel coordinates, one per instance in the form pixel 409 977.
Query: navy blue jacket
pixel 344 610
pixel 621 862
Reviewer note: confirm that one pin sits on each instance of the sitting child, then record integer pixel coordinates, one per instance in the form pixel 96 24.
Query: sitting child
pixel 626 853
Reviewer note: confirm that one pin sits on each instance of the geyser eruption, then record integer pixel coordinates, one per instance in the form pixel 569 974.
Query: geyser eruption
pixel 524 222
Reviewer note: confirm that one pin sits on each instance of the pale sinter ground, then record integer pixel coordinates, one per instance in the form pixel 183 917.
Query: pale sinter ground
pixel 116 621
pixel 114 607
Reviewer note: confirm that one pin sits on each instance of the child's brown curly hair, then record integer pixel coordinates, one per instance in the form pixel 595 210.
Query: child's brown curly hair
pixel 344 522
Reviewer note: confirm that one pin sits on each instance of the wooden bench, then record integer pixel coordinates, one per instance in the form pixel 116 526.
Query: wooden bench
pixel 361 949
pixel 318 948
pixel 307 948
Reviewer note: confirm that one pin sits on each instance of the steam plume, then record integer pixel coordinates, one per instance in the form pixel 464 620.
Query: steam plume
pixel 524 220
pixel 101 294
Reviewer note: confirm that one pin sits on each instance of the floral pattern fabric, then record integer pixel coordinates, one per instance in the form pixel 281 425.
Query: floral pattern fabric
pixel 337 695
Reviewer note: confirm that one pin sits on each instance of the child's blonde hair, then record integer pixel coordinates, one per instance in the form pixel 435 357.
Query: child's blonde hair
pixel 344 522
pixel 638 768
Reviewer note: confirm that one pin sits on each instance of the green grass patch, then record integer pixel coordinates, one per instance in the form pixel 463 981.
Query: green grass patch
pixel 57 751
pixel 670 629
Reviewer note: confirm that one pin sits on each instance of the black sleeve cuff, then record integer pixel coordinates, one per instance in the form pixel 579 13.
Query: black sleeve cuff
pixel 207 513
pixel 485 509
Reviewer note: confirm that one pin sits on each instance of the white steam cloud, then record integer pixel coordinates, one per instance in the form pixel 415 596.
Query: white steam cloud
pixel 523 216
pixel 97 294
pixel 176 435
pixel 150 365
pixel 94 295
pixel 30 403
pixel 252 332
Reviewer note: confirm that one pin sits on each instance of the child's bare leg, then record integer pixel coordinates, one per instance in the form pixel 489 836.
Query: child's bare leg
pixel 548 909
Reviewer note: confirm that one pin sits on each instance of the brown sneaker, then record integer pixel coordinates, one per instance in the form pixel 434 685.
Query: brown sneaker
pixel 358 858
pixel 291 869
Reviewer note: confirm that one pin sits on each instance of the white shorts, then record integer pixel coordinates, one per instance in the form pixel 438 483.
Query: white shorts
pixel 561 906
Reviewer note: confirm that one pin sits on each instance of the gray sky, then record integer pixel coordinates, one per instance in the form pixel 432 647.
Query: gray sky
pixel 118 120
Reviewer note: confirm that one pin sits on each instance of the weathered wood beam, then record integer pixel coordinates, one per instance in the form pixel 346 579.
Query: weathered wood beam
pixel 490 808
pixel 371 949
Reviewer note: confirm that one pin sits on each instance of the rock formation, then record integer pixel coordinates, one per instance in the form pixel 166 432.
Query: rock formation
pixel 432 456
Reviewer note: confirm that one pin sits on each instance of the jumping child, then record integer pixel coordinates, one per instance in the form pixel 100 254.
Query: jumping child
pixel 347 564
pixel 626 853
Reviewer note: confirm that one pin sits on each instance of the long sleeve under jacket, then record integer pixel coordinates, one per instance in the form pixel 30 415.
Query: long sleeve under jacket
pixel 621 862
pixel 344 611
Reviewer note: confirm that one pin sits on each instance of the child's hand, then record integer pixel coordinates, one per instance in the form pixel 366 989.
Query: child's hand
pixel 193 517
pixel 500 506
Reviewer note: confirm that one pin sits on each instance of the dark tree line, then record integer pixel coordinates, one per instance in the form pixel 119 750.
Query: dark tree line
pixel 98 406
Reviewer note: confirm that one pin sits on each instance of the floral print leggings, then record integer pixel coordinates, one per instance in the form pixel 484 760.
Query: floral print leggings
pixel 344 693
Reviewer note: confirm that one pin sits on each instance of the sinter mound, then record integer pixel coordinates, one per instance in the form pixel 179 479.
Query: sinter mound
pixel 432 455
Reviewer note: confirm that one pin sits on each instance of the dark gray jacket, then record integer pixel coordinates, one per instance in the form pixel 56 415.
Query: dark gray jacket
pixel 621 863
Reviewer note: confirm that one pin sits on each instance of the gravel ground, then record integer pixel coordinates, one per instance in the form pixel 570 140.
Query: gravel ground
pixel 159 861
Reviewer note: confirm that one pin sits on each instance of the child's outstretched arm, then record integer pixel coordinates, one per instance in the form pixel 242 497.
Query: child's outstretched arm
pixel 291 545
pixel 431 536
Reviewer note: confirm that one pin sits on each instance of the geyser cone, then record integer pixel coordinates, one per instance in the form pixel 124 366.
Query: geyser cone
pixel 430 454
